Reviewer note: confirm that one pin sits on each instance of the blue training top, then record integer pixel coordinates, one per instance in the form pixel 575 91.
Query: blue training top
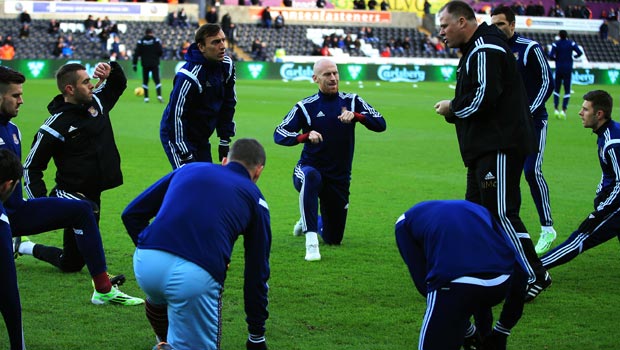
pixel 607 198
pixel 443 240
pixel 562 53
pixel 10 138
pixel 199 212
pixel 333 157
pixel 535 72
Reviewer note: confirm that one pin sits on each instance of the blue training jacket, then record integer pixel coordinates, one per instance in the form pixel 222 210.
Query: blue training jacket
pixel 10 138
pixel 535 71
pixel 607 198
pixel 334 156
pixel 562 53
pixel 443 240
pixel 202 101
pixel 199 211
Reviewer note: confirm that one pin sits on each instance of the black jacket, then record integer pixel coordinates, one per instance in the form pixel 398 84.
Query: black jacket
pixel 490 106
pixel 80 140
pixel 150 50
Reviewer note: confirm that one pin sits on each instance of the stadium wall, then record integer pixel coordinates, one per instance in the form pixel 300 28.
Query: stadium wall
pixel 377 72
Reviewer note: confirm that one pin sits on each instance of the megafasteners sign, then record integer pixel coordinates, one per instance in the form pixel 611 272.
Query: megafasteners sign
pixel 297 15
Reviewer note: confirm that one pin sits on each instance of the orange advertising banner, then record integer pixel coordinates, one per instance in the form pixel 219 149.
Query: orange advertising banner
pixel 292 14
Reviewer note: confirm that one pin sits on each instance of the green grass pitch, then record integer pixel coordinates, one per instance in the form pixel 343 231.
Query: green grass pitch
pixel 360 295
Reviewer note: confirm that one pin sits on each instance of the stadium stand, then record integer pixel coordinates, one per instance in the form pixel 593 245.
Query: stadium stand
pixel 296 39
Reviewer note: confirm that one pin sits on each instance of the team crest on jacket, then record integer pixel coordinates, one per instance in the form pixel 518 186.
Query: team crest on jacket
pixel 15 139
pixel 93 111
pixel 516 56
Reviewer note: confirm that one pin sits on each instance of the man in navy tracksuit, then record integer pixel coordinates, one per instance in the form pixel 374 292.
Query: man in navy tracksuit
pixel 181 259
pixel 327 122
pixel 464 263
pixel 562 53
pixel 10 305
pixel 82 241
pixel 202 101
pixel 603 223
pixel 538 82
pixel 493 124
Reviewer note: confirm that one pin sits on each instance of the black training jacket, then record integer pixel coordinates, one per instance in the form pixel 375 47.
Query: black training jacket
pixel 490 106
pixel 80 140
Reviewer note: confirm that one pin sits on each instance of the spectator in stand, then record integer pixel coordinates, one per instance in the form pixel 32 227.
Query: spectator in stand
pixel 372 4
pixel 385 6
pixel 266 17
pixel 611 16
pixel 335 41
pixel 406 45
pixel 289 3
pixel 325 50
pixel 9 40
pixel 25 21
pixel 556 11
pixel 53 27
pixel 540 9
pixel 173 19
pixel 603 30
pixel 369 35
pixel 183 50
pixel 440 47
pixel 115 49
pixel 113 28
pixel 24 18
pixel 386 51
pixel 211 16
pixel 7 52
pixel 359 4
pixel 316 50
pixel 67 51
pixel 320 4
pixel 262 54
pixel 68 39
pixel 106 22
pixel 104 35
pixel 183 20
pixel 280 54
pixel 24 31
pixel 358 45
pixel 89 22
pixel 348 43
pixel 58 45
pixel 397 46
pixel 585 12
pixel 256 45
pixel 530 9
pixel 427 46
pixel 518 8
pixel 89 29
pixel 279 21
